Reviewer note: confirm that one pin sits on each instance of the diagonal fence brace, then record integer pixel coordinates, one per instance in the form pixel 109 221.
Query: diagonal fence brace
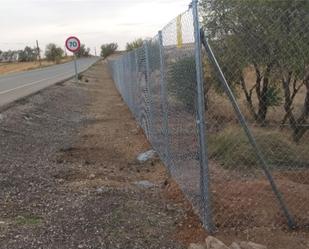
pixel 251 138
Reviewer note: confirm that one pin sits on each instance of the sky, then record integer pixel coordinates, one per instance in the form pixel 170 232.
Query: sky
pixel 95 22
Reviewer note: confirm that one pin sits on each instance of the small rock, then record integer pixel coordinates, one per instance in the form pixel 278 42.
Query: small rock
pixel 235 246
pixel 101 190
pixel 251 245
pixel 213 243
pixel 197 246
pixel 143 157
pixel 1 117
pixel 144 184
pixel 61 181
pixel 170 207
pixel 27 117
pixel 91 176
pixel 134 131
pixel 2 222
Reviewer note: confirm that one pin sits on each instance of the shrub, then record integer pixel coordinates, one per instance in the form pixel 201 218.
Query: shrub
pixel 108 49
pixel 134 44
pixel 53 52
pixel 83 52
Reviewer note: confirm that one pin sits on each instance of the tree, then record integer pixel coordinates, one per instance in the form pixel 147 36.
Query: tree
pixel 234 27
pixel 83 52
pixel 293 62
pixel 108 49
pixel 53 52
pixel 272 38
pixel 28 54
pixel 134 44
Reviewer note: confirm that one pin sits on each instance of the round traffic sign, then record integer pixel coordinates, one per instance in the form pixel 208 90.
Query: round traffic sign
pixel 72 44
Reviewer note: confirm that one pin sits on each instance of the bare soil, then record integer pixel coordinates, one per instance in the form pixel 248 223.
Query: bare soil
pixel 68 174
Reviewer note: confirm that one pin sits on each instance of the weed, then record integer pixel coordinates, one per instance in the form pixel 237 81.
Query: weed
pixel 28 220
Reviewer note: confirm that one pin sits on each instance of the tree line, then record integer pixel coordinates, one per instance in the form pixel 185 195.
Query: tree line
pixel 53 53
pixel 27 54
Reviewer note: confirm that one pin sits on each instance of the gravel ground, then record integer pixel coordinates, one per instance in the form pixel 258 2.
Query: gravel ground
pixel 68 174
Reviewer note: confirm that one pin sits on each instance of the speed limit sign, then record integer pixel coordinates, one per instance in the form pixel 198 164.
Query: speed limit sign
pixel 72 44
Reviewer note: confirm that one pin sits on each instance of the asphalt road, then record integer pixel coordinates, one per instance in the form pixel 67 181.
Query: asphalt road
pixel 18 85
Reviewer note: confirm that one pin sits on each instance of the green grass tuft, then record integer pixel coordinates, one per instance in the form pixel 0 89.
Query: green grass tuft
pixel 28 220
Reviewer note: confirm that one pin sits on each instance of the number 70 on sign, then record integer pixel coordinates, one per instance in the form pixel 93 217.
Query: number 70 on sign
pixel 72 44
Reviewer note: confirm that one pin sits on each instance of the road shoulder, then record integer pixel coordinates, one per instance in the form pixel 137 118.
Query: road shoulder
pixel 70 177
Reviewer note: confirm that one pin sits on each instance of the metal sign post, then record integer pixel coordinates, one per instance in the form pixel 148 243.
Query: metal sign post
pixel 73 45
pixel 75 66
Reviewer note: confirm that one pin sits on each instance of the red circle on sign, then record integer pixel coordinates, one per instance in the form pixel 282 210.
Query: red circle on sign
pixel 73 49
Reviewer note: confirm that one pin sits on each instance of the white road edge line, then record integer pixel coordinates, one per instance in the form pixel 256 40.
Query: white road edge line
pixel 30 84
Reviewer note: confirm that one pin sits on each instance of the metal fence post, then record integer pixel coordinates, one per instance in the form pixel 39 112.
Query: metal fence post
pixel 203 155
pixel 149 106
pixel 131 82
pixel 136 114
pixel 163 92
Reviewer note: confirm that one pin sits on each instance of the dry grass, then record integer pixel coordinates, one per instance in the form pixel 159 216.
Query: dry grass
pixel 232 149
pixel 14 67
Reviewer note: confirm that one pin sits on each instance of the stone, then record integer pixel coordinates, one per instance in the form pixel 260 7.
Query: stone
pixel 145 156
pixel 144 184
pixel 100 190
pixel 92 176
pixel 213 243
pixel 61 181
pixel 170 207
pixel 197 246
pixel 251 245
pixel 235 246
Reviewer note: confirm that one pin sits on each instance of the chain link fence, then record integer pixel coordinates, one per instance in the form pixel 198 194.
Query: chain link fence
pixel 229 119
pixel 263 51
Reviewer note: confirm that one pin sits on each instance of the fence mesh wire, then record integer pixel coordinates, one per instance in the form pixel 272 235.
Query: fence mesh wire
pixel 263 51
pixel 262 48
pixel 158 82
pixel 181 94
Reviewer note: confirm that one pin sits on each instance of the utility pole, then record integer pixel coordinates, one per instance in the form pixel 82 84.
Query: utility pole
pixel 39 52
pixel 95 51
